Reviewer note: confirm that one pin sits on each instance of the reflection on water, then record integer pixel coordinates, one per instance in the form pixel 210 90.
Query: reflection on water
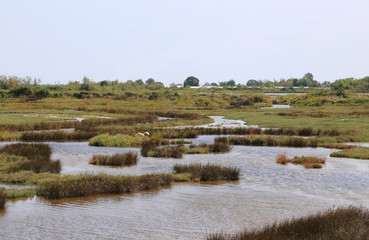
pixel 266 192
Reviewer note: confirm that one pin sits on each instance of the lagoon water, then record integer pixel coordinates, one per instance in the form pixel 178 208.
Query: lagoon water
pixel 266 192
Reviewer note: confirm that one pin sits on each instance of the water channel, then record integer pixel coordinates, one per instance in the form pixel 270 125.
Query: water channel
pixel 266 192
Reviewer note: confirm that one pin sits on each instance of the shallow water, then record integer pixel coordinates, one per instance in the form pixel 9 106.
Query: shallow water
pixel 266 192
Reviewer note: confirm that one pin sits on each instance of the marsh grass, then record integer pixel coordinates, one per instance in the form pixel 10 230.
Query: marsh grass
pixel 119 159
pixel 354 152
pixel 272 141
pixel 85 185
pixel 33 157
pixel 208 172
pixel 334 224
pixel 306 161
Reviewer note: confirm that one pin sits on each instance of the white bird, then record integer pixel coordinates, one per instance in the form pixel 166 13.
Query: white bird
pixel 140 134
pixel 146 133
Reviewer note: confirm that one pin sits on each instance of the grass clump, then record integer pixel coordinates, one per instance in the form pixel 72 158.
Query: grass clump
pixel 119 140
pixel 85 185
pixel 306 161
pixel 118 159
pixel 32 157
pixel 2 198
pixel 356 152
pixel 333 224
pixel 208 172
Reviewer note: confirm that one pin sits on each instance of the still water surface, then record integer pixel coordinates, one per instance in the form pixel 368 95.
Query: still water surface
pixel 265 193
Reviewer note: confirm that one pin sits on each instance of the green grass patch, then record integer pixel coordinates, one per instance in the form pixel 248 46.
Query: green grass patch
pixel 119 140
pixel 20 193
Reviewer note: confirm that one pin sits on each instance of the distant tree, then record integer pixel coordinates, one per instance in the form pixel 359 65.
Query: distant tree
pixel 253 83
pixel 104 83
pixel 191 81
pixel 309 76
pixel 149 81
pixel 214 84
pixel 231 83
pixel 86 84
pixel 139 82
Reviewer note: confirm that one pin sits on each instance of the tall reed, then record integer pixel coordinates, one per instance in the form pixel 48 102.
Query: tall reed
pixel 2 199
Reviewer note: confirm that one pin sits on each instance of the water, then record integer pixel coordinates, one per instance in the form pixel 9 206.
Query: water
pixel 277 106
pixel 265 193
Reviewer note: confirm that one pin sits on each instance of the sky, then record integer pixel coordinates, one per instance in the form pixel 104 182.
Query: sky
pixel 169 40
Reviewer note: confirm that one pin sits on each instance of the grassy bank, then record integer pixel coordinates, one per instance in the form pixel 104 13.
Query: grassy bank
pixel 118 159
pixel 334 224
pixel 85 185
pixel 356 152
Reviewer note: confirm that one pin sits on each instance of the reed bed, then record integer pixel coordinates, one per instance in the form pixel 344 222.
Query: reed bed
pixel 2 199
pixel 208 172
pixel 306 161
pixel 119 159
pixel 333 224
pixel 85 185
pixel 32 157
pixel 271 141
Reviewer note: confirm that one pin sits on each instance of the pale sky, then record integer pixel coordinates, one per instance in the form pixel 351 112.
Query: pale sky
pixel 169 40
